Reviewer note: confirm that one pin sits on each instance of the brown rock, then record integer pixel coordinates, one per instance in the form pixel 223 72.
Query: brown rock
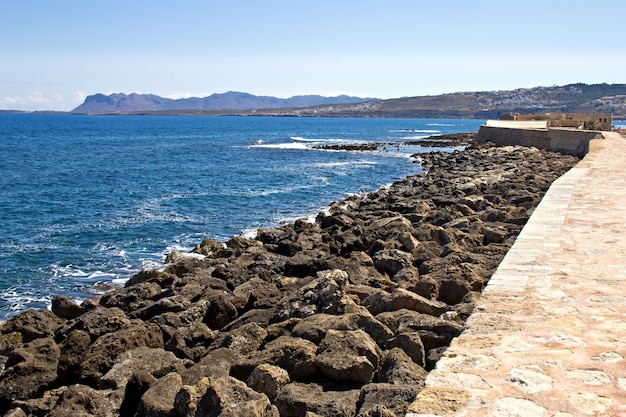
pixel 395 398
pixel 348 356
pixel 32 324
pixel 295 355
pixel 396 367
pixel 314 327
pixel 29 371
pixel 268 379
pixel 225 396
pixel 101 355
pixel 65 308
pixel 96 322
pixel 322 295
pixel 411 344
pixel 156 362
pixel 303 400
pixel 158 400
pixel 83 401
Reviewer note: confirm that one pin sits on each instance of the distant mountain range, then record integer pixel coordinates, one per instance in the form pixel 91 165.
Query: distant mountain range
pixel 232 100
pixel 571 98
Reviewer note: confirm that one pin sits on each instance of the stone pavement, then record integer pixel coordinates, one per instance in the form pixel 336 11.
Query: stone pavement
pixel 548 337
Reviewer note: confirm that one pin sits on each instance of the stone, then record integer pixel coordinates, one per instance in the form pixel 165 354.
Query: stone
pixel 322 295
pixel 65 308
pixel 158 400
pixel 516 407
pixel 215 364
pixel 299 400
pixel 100 355
pixel 268 379
pixel 224 397
pixel 314 327
pixel 244 339
pixel 396 367
pixel 32 325
pixel 530 379
pixel 396 397
pixel 348 356
pixel 29 371
pixel 156 362
pixel 96 322
pixel 84 401
pixel 73 349
pixel 403 299
pixel 411 344
pixel 391 261
pixel 440 402
pixel 295 355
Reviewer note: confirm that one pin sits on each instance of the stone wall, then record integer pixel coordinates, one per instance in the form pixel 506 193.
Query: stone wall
pixel 567 141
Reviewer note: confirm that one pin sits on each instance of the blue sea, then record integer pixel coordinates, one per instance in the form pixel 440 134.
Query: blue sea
pixel 87 201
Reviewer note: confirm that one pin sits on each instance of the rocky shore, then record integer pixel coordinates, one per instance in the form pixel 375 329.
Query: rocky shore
pixel 342 317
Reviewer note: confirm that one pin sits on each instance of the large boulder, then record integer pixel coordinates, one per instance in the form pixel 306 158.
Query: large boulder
pixel 32 325
pixel 396 398
pixel 158 400
pixel 400 299
pixel 101 355
pixel 314 327
pixel 222 397
pixel 29 371
pixel 156 362
pixel 392 260
pixel 396 367
pixel 84 401
pixel 302 400
pixel 295 355
pixel 268 379
pixel 96 323
pixel 348 356
pixel 323 295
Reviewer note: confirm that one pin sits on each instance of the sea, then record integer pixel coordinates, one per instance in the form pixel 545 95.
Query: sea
pixel 88 201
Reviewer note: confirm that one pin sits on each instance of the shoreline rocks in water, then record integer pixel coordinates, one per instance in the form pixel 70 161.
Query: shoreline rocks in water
pixel 342 317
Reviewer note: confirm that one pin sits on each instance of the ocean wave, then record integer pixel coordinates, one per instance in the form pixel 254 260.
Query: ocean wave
pixel 291 145
pixel 301 139
pixel 440 124
pixel 415 137
pixel 271 191
pixel 415 131
pixel 342 164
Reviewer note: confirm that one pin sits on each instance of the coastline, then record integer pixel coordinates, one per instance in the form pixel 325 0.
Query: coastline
pixel 359 305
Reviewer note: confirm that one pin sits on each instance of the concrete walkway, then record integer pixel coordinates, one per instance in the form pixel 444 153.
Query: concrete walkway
pixel 548 337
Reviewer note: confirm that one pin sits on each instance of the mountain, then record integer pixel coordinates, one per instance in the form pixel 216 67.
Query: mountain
pixel 571 98
pixel 126 103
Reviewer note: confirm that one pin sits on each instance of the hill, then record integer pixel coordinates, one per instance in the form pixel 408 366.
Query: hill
pixel 572 98
pixel 126 103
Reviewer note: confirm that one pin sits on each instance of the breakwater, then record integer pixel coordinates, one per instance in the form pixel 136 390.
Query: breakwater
pixel 341 317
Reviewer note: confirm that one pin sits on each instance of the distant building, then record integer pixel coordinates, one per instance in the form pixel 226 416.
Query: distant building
pixel 583 121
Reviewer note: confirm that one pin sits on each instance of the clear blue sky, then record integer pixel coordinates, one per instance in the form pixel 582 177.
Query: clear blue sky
pixel 53 53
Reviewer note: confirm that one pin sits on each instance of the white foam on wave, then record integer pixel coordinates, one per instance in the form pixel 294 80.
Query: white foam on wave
pixel 301 139
pixel 440 124
pixel 291 145
pixel 67 271
pixel 415 137
pixel 415 131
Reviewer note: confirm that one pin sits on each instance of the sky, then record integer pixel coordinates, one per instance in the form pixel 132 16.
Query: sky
pixel 55 53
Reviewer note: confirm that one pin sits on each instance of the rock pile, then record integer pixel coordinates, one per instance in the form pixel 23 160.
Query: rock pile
pixel 342 317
